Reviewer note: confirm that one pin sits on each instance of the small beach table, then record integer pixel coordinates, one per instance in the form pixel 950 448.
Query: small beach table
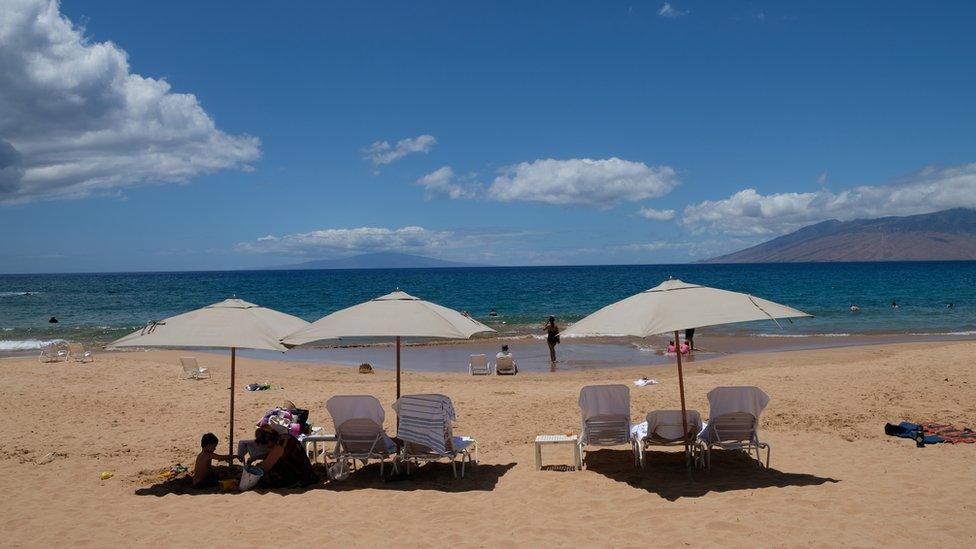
pixel 543 440
pixel 313 440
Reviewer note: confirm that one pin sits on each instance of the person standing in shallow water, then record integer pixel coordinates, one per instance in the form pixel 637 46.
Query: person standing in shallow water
pixel 552 337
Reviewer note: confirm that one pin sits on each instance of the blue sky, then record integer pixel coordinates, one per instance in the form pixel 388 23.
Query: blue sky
pixel 188 135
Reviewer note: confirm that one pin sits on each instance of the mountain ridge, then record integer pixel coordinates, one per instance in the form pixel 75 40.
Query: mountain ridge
pixel 946 235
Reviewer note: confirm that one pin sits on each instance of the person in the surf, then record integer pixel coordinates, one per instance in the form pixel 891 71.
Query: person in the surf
pixel 552 337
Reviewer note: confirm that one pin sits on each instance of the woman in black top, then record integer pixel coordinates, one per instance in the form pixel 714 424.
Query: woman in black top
pixel 287 464
pixel 552 337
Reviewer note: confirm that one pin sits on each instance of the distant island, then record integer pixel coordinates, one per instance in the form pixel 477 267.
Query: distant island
pixel 379 260
pixel 949 235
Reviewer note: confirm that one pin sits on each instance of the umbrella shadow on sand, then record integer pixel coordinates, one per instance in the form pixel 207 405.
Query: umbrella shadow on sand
pixel 666 475
pixel 433 476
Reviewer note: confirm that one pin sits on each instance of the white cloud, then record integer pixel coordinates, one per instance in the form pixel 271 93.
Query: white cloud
pixel 381 152
pixel 332 242
pixel 654 246
pixel 656 215
pixel 74 121
pixel 670 12
pixel 582 181
pixel 442 181
pixel 748 212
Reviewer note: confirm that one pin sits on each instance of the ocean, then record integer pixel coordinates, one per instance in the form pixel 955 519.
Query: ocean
pixel 97 308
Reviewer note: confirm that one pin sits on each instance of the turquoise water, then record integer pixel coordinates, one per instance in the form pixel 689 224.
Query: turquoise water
pixel 97 308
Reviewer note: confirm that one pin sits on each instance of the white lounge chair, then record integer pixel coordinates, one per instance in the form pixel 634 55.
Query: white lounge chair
pixel 78 353
pixel 478 365
pixel 505 365
pixel 733 422
pixel 426 428
pixel 665 428
pixel 358 421
pixel 606 418
pixel 192 370
pixel 54 352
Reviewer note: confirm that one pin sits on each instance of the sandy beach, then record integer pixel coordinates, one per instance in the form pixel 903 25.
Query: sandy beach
pixel 835 478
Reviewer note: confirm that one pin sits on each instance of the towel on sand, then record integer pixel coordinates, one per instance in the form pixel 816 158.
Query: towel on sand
pixel 934 432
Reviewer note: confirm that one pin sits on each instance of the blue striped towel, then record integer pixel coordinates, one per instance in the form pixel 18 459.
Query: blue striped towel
pixel 426 420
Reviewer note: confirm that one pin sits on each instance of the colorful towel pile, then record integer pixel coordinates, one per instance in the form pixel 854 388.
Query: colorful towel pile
pixel 950 434
pixel 934 432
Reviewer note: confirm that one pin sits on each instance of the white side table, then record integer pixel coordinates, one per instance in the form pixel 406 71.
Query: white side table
pixel 543 440
pixel 313 440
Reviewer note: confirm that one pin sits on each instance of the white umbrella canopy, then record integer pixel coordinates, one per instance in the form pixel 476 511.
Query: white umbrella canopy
pixel 673 306
pixel 230 324
pixel 395 315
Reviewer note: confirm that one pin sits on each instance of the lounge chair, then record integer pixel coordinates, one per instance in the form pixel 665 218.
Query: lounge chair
pixel 78 353
pixel 665 428
pixel 358 421
pixel 606 418
pixel 505 365
pixel 426 428
pixel 733 422
pixel 192 370
pixel 478 365
pixel 54 352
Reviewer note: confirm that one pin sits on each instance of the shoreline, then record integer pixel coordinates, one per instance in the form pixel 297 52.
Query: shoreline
pixel 574 353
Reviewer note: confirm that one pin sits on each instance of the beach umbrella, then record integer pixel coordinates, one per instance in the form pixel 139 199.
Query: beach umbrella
pixel 231 324
pixel 673 306
pixel 396 315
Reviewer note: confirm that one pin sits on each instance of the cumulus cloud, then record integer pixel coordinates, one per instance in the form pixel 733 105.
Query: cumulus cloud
pixel 670 12
pixel 332 242
pixel 381 152
pixel 748 212
pixel 443 182
pixel 582 181
pixel 75 121
pixel 656 215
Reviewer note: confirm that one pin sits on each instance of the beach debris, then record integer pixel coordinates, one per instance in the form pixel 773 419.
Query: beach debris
pixel 365 368
pixel 259 387
pixel 643 382
pixel 173 471
pixel 105 475
pixel 51 456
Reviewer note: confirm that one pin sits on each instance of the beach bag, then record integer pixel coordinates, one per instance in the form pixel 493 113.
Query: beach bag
pixel 284 426
pixel 250 478
pixel 301 418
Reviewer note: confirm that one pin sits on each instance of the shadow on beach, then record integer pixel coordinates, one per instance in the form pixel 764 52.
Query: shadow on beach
pixel 433 476
pixel 666 475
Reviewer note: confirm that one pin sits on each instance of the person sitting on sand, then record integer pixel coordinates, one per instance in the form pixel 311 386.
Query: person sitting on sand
pixel 203 475
pixel 286 464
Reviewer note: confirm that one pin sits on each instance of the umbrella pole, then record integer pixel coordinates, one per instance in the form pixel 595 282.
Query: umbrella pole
pixel 398 366
pixel 681 388
pixel 233 368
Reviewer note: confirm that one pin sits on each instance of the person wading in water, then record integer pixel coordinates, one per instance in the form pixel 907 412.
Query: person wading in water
pixel 552 337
